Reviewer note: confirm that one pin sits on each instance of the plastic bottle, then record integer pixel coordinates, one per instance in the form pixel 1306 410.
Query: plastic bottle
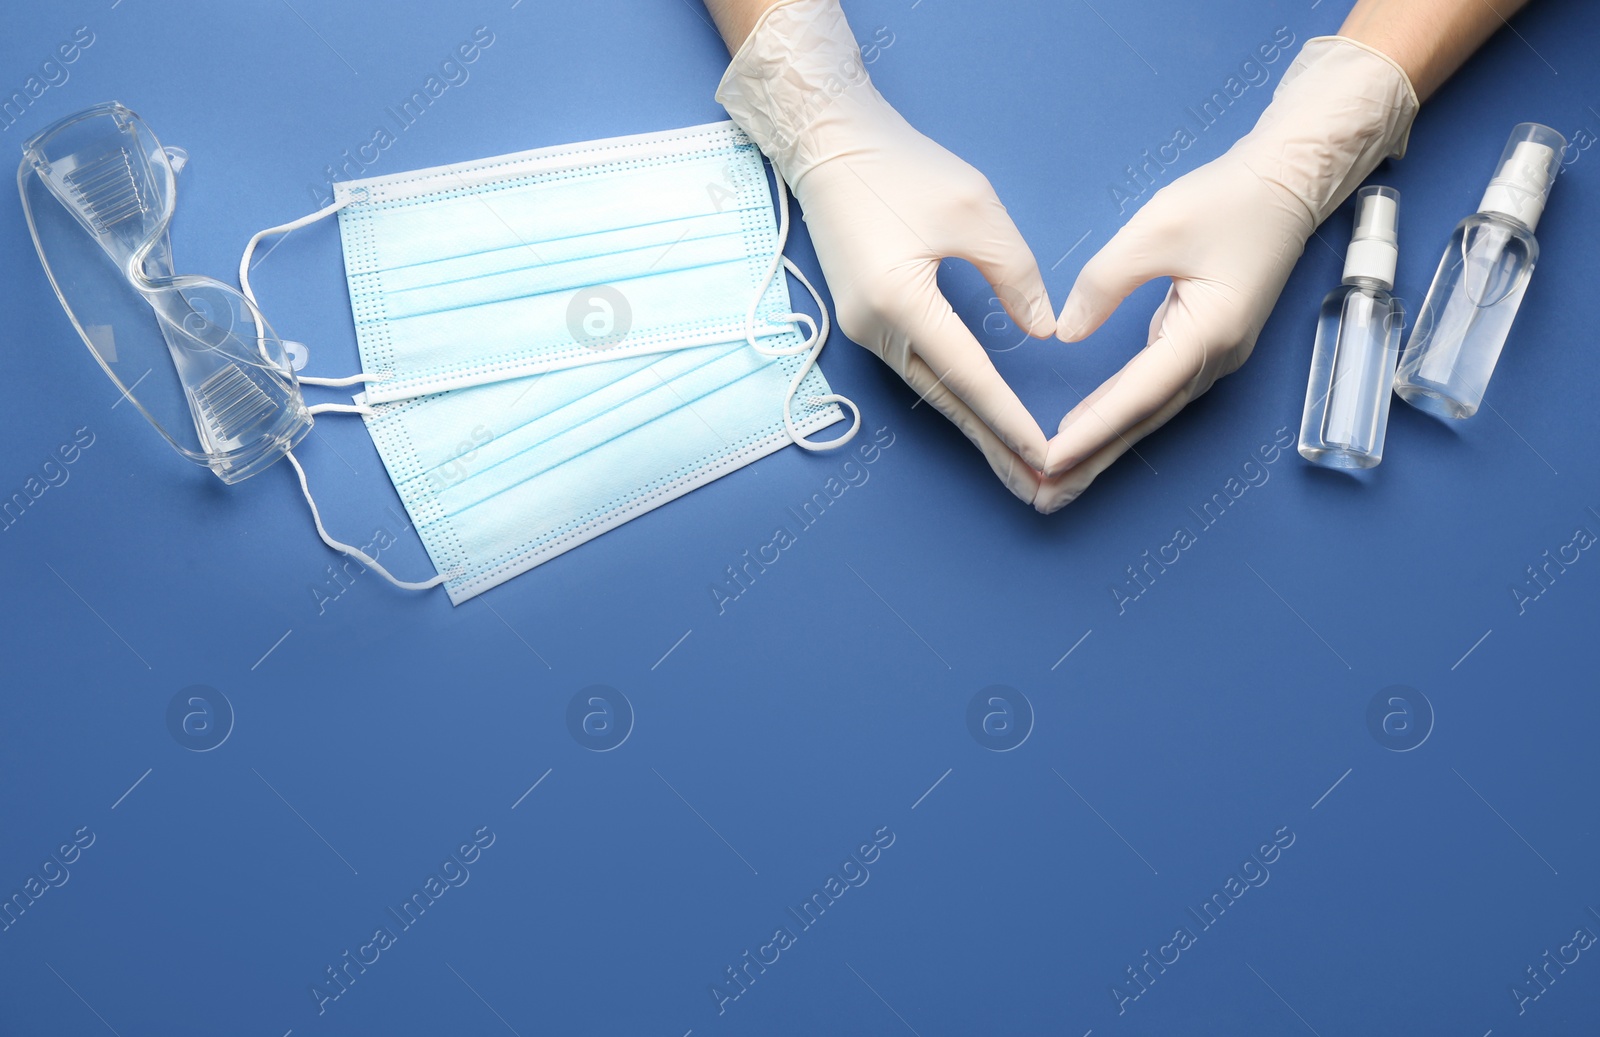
pixel 1358 341
pixel 1481 280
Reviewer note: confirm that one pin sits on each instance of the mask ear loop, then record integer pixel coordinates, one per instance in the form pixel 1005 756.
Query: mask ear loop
pixel 351 550
pixel 325 408
pixel 341 408
pixel 815 339
pixel 356 195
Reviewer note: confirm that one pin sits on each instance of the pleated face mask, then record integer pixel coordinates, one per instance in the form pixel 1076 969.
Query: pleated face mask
pixel 557 341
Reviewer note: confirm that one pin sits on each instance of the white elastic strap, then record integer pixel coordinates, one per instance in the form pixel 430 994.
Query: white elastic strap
pixel 282 228
pixel 355 379
pixel 355 552
pixel 249 293
pixel 341 408
pixel 816 338
pixel 819 339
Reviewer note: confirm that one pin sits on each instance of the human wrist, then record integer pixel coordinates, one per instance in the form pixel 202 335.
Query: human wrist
pixel 797 78
pixel 1341 108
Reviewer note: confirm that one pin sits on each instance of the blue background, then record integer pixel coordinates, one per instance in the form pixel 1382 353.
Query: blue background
pixel 373 732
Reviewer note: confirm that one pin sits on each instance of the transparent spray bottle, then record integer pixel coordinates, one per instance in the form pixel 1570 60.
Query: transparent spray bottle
pixel 1358 340
pixel 1481 280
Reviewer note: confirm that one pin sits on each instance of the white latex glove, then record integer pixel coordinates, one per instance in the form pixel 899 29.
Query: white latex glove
pixel 1228 234
pixel 884 205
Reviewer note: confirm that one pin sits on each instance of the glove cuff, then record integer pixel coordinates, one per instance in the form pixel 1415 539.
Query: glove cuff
pixel 1341 108
pixel 798 63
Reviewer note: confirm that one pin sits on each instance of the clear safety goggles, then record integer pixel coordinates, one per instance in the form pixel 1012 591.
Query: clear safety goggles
pixel 190 353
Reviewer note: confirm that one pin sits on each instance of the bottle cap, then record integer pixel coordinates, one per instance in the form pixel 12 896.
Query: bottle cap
pixel 1526 172
pixel 1375 245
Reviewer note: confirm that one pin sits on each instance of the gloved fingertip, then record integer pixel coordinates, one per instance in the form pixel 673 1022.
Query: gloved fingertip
pixel 1074 320
pixel 1056 461
pixel 1048 502
pixel 1041 318
pixel 1022 487
pixel 1022 482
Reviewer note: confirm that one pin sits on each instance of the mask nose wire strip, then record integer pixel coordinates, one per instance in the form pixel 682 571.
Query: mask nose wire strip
pixel 355 552
pixel 815 340
pixel 249 293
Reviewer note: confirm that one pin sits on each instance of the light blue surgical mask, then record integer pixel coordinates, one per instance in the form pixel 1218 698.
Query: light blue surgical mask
pixel 498 478
pixel 557 341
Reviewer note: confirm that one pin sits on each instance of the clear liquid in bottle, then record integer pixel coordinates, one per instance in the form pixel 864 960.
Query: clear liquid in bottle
pixel 1481 279
pixel 1358 341
pixel 1467 316
pixel 1352 371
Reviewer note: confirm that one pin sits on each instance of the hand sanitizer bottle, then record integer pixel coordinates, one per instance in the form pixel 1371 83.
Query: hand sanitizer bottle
pixel 1481 279
pixel 1358 341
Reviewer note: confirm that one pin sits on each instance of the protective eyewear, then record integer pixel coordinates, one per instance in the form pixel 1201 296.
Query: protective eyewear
pixel 192 354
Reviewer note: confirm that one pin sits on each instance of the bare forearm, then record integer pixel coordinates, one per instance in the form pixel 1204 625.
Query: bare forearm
pixel 1428 38
pixel 735 18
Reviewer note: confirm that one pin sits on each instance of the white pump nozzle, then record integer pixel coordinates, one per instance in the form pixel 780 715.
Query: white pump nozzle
pixel 1526 172
pixel 1375 245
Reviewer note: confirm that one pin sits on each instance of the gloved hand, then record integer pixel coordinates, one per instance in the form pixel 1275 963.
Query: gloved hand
pixel 884 204
pixel 1228 234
